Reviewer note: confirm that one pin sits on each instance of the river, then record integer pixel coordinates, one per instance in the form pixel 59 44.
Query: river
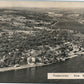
pixel 39 74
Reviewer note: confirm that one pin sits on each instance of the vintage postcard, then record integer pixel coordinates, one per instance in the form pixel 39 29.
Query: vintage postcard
pixel 41 42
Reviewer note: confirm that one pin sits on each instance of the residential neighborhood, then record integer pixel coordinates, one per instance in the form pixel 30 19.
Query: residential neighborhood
pixel 34 42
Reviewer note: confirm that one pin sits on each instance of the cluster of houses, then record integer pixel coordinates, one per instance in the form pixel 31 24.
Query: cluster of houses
pixel 60 53
pixel 47 54
pixel 51 14
pixel 5 18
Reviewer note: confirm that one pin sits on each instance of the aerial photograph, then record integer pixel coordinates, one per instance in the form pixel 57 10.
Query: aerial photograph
pixel 37 40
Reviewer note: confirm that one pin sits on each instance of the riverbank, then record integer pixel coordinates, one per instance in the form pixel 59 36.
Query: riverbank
pixel 30 65
pixel 22 67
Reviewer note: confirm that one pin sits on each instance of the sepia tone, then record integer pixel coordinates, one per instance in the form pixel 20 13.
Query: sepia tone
pixel 37 38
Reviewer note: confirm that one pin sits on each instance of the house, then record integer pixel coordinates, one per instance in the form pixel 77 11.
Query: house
pixel 34 60
pixel 31 60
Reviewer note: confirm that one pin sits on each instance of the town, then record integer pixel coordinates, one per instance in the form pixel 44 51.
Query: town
pixel 30 37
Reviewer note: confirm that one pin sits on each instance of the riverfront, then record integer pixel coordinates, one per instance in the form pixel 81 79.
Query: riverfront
pixel 32 65
pixel 38 41
pixel 30 74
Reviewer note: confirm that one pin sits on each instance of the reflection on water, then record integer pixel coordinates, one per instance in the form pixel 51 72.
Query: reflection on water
pixel 33 73
pixel 39 74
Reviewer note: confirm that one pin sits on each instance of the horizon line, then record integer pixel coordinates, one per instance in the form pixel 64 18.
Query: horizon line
pixel 42 4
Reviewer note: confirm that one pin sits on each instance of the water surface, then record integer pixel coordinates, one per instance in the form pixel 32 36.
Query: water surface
pixel 39 74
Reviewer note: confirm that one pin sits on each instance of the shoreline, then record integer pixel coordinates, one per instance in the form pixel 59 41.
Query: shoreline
pixel 22 67
pixel 29 65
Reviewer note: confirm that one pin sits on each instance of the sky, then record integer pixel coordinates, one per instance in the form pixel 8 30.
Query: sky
pixel 41 4
pixel 41 0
